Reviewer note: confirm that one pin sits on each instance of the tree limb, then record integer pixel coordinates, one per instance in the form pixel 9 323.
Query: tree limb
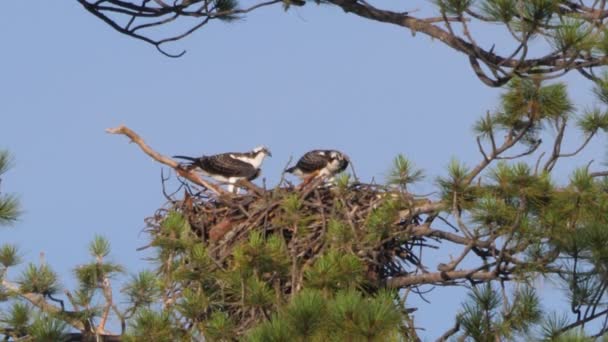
pixel 440 278
pixel 38 301
pixel 191 176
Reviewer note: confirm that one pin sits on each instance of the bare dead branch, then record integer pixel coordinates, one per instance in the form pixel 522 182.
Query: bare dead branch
pixel 191 176
pixel 38 301
pixel 440 278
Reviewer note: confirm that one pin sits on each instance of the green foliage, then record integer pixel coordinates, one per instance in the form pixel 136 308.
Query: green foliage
pixel 601 88
pixel 491 211
pixel 291 205
pixel 527 99
pixel 305 314
pixel 148 325
pixel 176 235
pixel 335 270
pixel 592 121
pixel 534 14
pixel 485 317
pixel 339 234
pixel 175 224
pixel 257 293
pixel 454 187
pixel 83 296
pixel 517 185
pixel 45 328
pixel 573 35
pixel 6 161
pixel 92 275
pixel 478 313
pixel 9 205
pixel 342 181
pixel 525 311
pixel 39 279
pixel 193 302
pixel 142 290
pixel 526 107
pixel 261 255
pixel 552 326
pixel 350 317
pixel 456 7
pixel 602 43
pixel 381 220
pixel 576 335
pixel 219 327
pixel 17 318
pixel 353 317
pixel 484 126
pixel 224 6
pixel 275 330
pixel 9 209
pixel 499 10
pixel 99 247
pixel 403 172
pixel 9 255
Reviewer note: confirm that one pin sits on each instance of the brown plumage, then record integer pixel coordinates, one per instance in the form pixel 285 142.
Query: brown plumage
pixel 320 162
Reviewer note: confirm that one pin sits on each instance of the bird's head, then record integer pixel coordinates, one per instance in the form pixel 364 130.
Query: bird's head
pixel 262 149
pixel 339 160
pixel 337 155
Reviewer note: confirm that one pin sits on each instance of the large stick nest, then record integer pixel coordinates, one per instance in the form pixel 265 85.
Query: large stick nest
pixel 379 225
pixel 376 218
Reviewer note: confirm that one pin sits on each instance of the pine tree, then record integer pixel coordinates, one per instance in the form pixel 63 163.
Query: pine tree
pixel 331 263
pixel 341 261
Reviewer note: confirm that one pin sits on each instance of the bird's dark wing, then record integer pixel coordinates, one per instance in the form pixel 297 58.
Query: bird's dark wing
pixel 227 166
pixel 313 161
pixel 254 175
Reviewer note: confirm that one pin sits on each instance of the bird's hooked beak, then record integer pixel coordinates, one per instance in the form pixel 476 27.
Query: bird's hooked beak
pixel 262 149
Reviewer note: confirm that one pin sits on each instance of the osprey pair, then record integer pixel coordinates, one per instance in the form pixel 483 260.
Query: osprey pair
pixel 234 166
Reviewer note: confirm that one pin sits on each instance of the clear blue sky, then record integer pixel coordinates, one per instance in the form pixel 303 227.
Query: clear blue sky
pixel 309 78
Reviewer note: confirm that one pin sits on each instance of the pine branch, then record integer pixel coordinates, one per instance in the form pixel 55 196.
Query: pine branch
pixel 38 301
pixel 582 321
pixel 143 21
pixel 443 277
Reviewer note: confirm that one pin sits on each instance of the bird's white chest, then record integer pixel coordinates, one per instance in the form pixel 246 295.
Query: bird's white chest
pixel 217 177
pixel 333 166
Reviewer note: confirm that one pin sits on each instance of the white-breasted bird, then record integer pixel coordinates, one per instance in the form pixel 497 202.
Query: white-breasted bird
pixel 230 167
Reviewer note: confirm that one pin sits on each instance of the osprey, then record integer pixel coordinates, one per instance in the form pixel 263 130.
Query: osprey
pixel 230 167
pixel 319 163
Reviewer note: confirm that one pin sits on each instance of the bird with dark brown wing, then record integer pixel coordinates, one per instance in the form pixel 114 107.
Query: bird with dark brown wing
pixel 319 163
pixel 230 167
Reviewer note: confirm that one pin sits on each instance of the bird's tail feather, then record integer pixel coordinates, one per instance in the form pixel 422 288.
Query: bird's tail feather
pixel 186 158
